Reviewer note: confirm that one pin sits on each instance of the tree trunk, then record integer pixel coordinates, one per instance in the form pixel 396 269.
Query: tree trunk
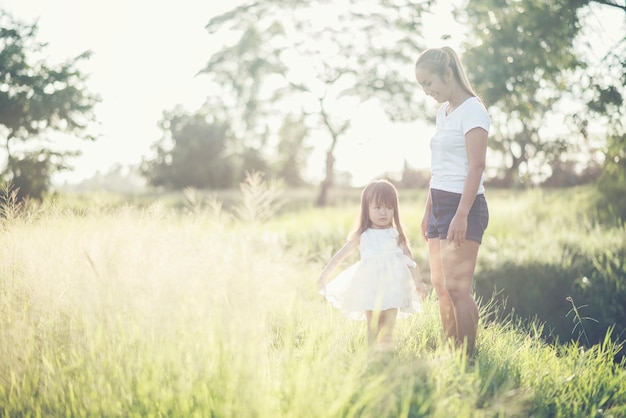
pixel 322 198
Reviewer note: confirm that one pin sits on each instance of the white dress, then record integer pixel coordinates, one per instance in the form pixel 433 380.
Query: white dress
pixel 380 280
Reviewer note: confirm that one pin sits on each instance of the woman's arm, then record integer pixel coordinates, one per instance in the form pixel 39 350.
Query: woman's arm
pixel 476 144
pixel 427 211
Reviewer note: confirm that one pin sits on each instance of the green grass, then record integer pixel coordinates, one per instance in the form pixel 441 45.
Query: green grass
pixel 151 312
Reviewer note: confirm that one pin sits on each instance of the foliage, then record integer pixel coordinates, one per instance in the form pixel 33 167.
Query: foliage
pixel 153 312
pixel 522 60
pixel 194 152
pixel 311 59
pixel 292 152
pixel 612 183
pixel 199 150
pixel 555 251
pixel 32 171
pixel 37 98
pixel 519 57
pixel 608 104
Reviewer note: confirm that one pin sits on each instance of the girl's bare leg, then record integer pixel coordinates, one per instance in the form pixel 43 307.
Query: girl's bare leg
pixel 380 325
pixel 386 324
pixel 372 327
pixel 458 265
pixel 446 307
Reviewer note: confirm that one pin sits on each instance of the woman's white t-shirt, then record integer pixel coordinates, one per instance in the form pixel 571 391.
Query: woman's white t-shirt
pixel 449 163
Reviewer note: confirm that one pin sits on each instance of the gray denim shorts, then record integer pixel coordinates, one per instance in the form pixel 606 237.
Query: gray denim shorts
pixel 444 206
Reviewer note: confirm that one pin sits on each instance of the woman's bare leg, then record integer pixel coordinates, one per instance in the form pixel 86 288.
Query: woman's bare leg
pixel 446 308
pixel 458 265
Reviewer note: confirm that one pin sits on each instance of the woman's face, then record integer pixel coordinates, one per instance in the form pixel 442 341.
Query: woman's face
pixel 434 85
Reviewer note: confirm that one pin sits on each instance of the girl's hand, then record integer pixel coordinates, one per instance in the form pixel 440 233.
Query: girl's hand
pixel 419 284
pixel 457 231
pixel 422 291
pixel 321 282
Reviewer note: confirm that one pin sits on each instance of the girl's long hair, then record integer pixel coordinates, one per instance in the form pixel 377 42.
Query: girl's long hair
pixel 383 193
pixel 438 60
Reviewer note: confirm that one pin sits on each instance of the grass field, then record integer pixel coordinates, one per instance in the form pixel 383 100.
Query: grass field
pixel 149 311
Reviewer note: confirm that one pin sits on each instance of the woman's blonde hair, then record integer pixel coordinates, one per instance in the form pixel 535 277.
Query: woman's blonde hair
pixel 438 60
pixel 383 193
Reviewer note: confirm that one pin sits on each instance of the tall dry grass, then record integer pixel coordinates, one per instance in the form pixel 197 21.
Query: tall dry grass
pixel 156 312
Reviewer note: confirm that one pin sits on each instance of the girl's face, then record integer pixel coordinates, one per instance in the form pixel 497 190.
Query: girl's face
pixel 381 215
pixel 434 85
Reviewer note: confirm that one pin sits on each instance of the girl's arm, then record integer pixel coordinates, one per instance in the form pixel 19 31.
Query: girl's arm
pixel 339 256
pixel 476 140
pixel 415 272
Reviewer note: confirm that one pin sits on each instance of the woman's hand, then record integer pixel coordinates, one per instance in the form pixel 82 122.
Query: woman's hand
pixel 424 226
pixel 457 230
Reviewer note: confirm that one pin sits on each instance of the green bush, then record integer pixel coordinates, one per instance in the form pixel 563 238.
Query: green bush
pixel 554 250
pixel 612 182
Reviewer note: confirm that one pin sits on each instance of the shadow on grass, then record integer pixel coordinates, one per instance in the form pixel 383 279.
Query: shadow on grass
pixel 547 293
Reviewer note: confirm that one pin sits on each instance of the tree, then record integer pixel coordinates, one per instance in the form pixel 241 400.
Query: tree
pixel 194 152
pixel 321 57
pixel 37 98
pixel 519 56
pixel 607 104
pixel 525 57
pixel 292 152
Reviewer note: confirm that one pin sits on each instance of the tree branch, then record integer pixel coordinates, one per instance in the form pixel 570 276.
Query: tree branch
pixel 612 4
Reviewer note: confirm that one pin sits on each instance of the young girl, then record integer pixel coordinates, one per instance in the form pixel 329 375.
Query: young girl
pixel 386 280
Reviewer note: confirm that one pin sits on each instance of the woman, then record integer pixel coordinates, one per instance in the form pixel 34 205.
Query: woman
pixel 456 213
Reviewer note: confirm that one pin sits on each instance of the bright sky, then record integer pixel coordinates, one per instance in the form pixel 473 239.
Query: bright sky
pixel 145 57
